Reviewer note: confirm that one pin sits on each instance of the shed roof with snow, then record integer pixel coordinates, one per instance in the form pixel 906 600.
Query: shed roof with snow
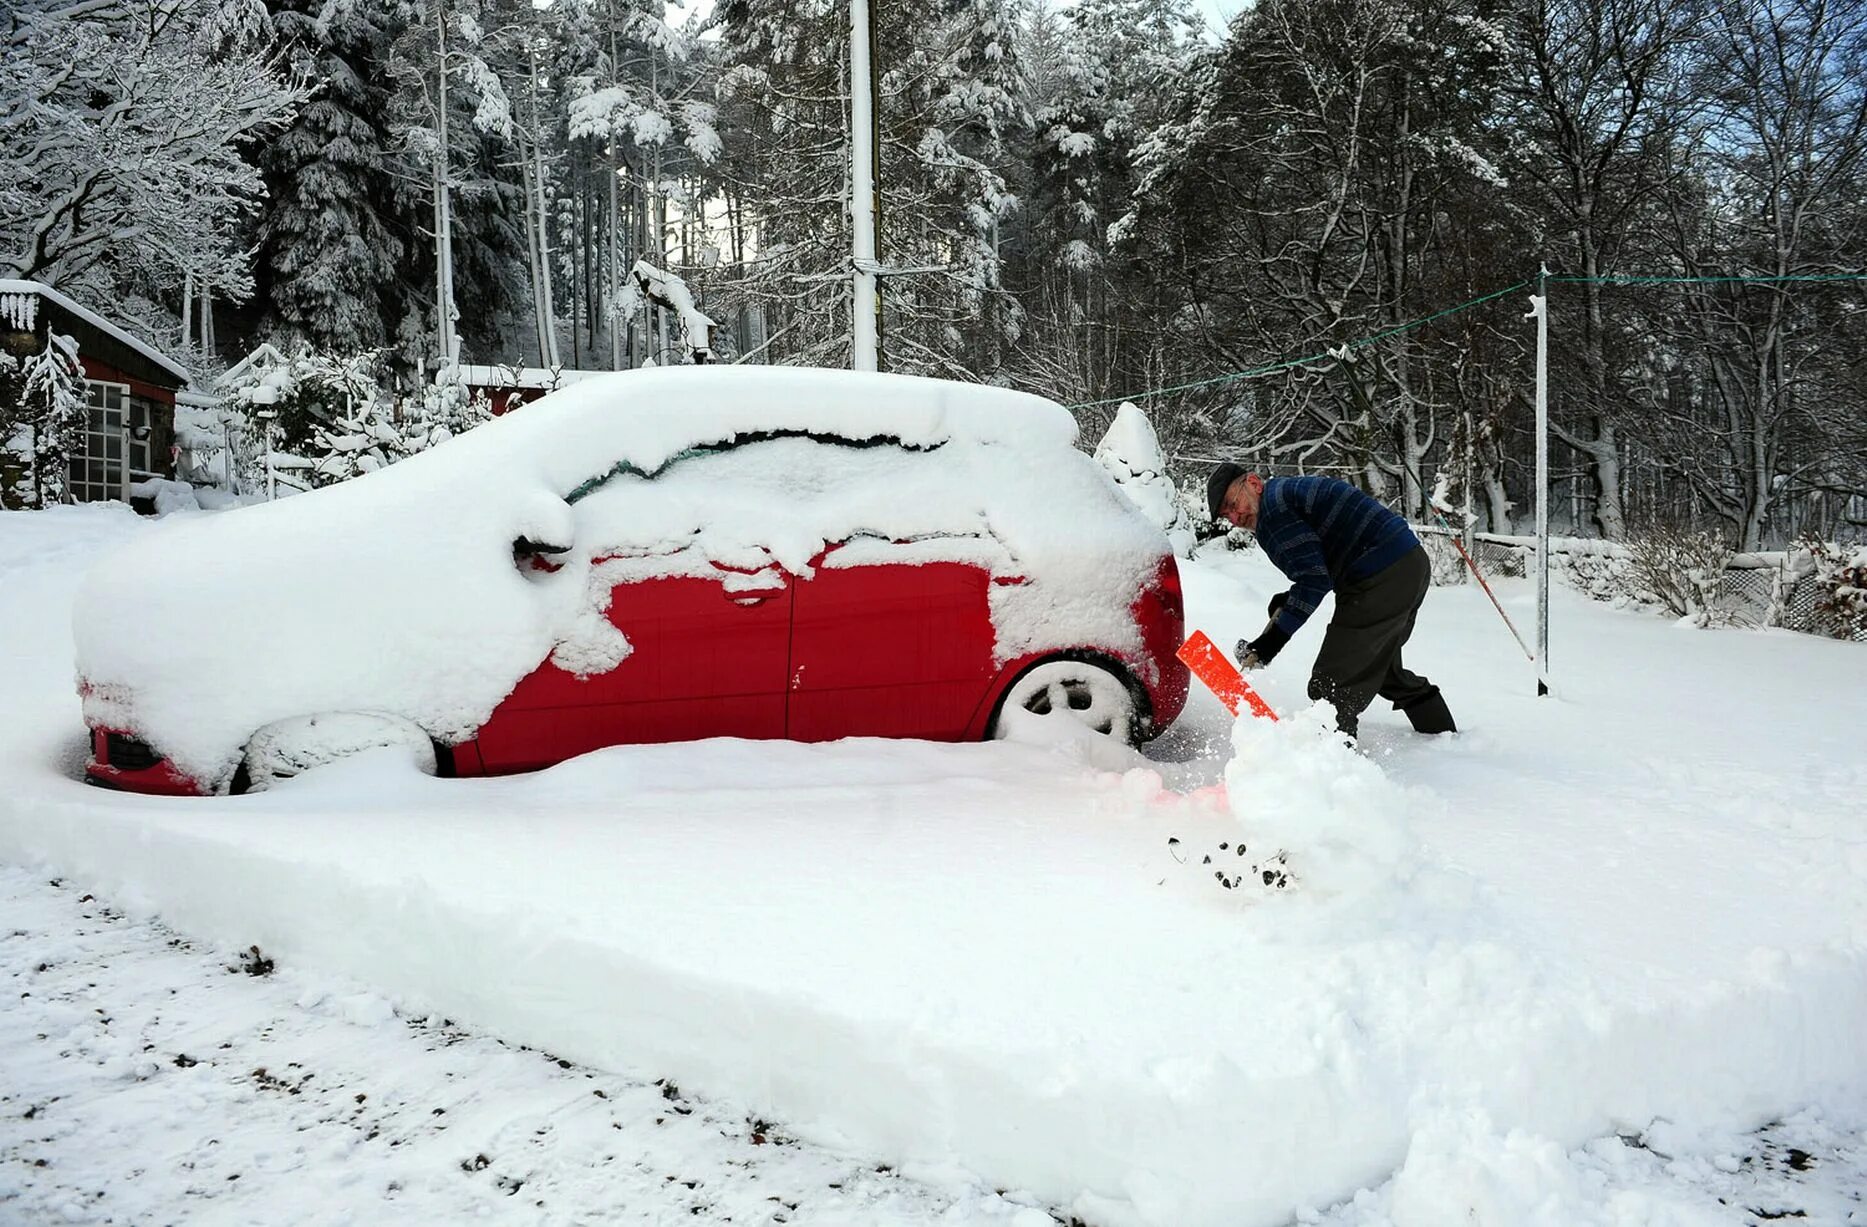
pixel 24 305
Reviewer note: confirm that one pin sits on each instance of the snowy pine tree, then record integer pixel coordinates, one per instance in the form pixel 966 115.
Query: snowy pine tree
pixel 335 235
pixel 1108 73
pixel 945 104
pixel 42 413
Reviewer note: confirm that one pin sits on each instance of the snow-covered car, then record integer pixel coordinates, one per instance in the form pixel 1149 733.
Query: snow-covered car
pixel 648 556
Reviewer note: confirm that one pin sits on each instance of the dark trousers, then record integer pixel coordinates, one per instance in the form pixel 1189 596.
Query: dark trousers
pixel 1360 656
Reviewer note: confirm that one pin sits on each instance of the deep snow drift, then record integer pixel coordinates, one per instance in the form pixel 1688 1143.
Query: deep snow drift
pixel 1634 907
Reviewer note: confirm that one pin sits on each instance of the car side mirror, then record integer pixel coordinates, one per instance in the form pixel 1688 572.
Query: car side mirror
pixel 529 555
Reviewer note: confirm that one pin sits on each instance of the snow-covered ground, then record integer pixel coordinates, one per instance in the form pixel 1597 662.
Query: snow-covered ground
pixel 1559 970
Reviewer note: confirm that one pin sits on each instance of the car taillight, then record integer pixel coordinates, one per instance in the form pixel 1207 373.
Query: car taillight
pixel 126 753
pixel 1167 582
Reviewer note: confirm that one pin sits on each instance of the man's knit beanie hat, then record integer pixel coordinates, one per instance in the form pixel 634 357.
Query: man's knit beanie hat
pixel 1221 481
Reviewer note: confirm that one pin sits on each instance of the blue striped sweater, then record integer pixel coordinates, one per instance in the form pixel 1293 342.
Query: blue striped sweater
pixel 1321 532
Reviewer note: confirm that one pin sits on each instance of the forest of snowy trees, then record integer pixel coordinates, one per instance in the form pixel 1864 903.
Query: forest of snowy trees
pixel 1094 201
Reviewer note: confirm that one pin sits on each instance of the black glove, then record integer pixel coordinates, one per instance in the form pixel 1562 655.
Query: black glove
pixel 1262 650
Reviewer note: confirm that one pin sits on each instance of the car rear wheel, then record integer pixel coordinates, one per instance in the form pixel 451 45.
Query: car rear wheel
pixel 288 748
pixel 1069 696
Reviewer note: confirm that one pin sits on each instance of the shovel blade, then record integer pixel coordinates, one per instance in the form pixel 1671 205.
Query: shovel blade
pixel 1221 676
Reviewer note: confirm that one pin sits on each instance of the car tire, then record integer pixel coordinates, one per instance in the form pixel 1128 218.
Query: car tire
pixel 1096 696
pixel 285 749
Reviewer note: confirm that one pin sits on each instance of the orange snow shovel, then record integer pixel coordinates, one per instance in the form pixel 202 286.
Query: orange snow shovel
pixel 1222 677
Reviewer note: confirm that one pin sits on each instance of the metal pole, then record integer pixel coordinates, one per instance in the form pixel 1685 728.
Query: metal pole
pixel 1540 309
pixel 1471 460
pixel 124 446
pixel 865 310
pixel 443 207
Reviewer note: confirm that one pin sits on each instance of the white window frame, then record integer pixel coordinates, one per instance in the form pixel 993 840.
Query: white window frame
pixel 95 446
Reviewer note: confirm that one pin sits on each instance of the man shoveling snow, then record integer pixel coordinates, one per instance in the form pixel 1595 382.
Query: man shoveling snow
pixel 1324 534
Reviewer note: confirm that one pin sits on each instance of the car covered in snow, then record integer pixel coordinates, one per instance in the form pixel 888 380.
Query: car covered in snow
pixel 657 555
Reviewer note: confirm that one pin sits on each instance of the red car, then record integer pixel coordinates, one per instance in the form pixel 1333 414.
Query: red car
pixel 647 557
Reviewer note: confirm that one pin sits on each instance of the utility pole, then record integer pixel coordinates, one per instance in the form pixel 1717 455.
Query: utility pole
pixel 443 212
pixel 616 324
pixel 864 350
pixel 1539 308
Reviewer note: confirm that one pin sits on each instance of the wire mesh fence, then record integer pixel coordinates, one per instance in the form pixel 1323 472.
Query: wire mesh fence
pixel 1753 590
pixel 1803 609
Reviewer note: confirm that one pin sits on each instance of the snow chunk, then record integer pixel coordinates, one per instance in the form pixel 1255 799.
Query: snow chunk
pixel 592 645
pixel 1299 785
pixel 1459 1170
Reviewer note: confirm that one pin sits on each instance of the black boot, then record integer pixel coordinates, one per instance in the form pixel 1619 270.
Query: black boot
pixel 1430 714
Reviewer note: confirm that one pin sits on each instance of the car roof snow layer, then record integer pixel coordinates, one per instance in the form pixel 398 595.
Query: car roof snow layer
pixel 641 419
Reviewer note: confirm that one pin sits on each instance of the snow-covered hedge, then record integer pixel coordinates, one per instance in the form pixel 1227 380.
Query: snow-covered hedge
pixel 1598 569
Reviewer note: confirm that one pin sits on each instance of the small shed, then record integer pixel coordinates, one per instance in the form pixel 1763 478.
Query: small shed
pixel 130 387
pixel 508 387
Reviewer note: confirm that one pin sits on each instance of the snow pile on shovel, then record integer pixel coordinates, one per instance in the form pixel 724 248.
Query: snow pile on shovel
pixel 1298 785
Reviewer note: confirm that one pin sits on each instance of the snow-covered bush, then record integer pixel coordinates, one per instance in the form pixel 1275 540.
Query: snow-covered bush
pixel 41 418
pixel 360 441
pixel 1442 554
pixel 379 432
pixel 1131 454
pixel 1840 579
pixel 1679 568
pixel 219 448
pixel 309 391
pixel 330 417
pixel 449 407
pixel 1605 571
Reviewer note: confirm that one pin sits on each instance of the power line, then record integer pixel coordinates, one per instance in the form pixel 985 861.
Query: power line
pixel 1288 363
pixel 1666 279
pixel 1258 372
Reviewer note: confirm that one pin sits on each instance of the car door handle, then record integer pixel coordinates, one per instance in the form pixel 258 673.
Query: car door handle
pixel 756 598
